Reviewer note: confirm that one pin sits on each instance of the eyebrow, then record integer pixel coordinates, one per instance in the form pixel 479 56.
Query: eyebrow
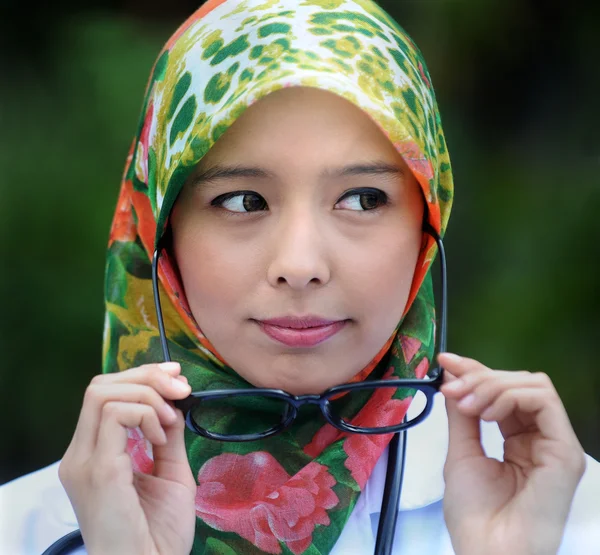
pixel 219 172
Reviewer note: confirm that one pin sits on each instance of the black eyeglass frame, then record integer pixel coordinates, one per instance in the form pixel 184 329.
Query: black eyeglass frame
pixel 429 386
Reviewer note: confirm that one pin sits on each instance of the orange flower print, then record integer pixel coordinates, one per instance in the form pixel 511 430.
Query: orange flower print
pixel 123 226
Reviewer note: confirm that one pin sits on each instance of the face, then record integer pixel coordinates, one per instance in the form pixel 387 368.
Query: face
pixel 297 238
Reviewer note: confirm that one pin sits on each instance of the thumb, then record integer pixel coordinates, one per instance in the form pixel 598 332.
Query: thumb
pixel 170 460
pixel 464 434
pixel 464 431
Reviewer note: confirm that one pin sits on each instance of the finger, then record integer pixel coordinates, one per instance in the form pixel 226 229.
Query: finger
pixel 473 398
pixel 135 393
pixel 473 379
pixel 127 393
pixel 543 405
pixel 454 387
pixel 558 443
pixel 464 431
pixel 170 459
pixel 459 366
pixel 464 434
pixel 449 377
pixel 102 390
pixel 137 374
pixel 116 418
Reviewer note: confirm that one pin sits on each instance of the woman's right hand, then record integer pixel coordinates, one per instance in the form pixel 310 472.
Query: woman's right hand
pixel 121 511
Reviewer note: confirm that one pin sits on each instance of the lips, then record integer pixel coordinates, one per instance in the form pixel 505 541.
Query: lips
pixel 304 331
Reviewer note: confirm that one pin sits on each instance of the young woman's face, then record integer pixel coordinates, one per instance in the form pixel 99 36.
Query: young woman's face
pixel 297 238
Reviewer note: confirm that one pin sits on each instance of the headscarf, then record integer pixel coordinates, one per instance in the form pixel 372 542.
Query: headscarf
pixel 292 492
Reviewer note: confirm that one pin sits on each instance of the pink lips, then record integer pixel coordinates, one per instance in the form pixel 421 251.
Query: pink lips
pixel 305 331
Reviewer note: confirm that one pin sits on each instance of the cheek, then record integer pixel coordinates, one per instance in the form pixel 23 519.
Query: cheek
pixel 382 275
pixel 216 274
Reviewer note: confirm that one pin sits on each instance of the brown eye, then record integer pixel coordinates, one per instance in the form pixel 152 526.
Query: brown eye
pixel 241 202
pixel 253 203
pixel 368 201
pixel 362 200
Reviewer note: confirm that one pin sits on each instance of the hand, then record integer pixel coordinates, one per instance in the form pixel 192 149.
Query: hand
pixel 120 511
pixel 519 506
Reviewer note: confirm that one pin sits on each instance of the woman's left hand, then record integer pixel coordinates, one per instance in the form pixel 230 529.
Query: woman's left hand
pixel 518 506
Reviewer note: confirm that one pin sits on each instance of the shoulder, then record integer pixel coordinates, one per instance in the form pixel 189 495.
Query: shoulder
pixel 36 512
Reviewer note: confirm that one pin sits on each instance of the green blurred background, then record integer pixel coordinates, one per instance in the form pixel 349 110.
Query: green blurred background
pixel 518 86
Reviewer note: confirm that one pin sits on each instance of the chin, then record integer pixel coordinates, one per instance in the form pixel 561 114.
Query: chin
pixel 301 389
pixel 295 382
pixel 298 373
pixel 300 384
pixel 289 385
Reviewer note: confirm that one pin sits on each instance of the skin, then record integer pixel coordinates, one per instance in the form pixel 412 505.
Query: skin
pixel 310 250
pixel 517 506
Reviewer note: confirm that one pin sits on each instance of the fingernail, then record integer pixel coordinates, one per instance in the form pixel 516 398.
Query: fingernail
pixel 467 402
pixel 180 386
pixel 452 357
pixel 169 366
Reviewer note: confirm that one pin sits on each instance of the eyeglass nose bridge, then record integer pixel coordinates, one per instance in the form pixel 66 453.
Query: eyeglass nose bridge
pixel 307 400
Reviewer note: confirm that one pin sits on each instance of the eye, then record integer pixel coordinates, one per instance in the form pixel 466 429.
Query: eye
pixel 362 199
pixel 241 202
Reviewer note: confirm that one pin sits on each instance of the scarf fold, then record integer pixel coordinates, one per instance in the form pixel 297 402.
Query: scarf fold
pixel 291 493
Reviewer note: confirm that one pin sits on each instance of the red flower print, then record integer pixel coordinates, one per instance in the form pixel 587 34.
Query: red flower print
pixel 140 451
pixel 325 436
pixel 253 496
pixel 423 76
pixel 410 347
pixel 364 450
pixel 422 369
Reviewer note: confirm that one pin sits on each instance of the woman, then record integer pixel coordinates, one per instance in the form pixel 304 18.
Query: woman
pixel 291 173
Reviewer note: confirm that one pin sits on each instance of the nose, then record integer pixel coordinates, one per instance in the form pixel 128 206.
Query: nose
pixel 299 257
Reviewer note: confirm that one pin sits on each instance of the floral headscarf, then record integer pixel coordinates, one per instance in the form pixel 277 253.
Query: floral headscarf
pixel 290 493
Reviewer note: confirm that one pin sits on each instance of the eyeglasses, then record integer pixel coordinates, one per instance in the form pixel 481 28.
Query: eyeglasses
pixel 244 411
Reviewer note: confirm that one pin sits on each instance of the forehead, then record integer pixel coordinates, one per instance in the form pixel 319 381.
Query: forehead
pixel 302 122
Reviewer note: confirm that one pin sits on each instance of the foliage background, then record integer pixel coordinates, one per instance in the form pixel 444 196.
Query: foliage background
pixel 518 83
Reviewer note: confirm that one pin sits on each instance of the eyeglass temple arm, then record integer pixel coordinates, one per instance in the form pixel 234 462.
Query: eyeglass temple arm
pixel 427 228
pixel 159 316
